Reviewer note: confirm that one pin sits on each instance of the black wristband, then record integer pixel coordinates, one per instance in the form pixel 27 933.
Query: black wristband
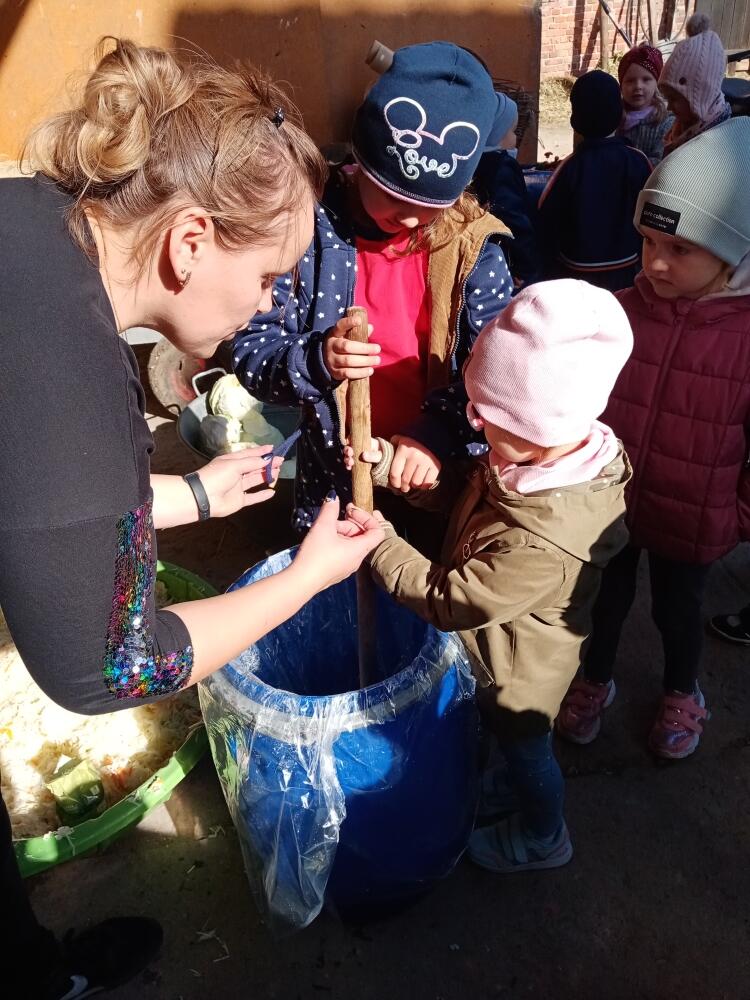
pixel 201 497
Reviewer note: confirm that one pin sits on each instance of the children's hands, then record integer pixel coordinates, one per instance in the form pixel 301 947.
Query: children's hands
pixel 333 549
pixel 346 358
pixel 227 479
pixel 414 467
pixel 358 518
pixel 373 456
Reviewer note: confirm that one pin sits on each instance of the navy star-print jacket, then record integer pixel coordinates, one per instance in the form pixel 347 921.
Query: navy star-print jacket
pixel 279 357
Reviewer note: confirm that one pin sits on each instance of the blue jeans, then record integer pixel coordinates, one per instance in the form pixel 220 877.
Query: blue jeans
pixel 536 778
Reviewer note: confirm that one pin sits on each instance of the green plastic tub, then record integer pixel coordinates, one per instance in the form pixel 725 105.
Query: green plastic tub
pixel 39 853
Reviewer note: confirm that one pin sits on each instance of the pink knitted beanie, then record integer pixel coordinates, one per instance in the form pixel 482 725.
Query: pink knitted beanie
pixel 544 369
pixel 697 67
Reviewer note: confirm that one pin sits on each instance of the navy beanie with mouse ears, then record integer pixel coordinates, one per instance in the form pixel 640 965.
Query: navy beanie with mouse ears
pixel 424 124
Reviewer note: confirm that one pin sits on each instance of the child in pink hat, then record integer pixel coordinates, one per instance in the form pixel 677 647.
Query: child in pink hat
pixel 531 526
pixel 691 83
pixel 646 120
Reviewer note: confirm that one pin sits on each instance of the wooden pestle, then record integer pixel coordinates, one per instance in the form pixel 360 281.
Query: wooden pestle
pixel 360 436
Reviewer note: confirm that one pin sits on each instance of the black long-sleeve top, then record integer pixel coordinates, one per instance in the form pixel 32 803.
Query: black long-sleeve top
pixel 77 546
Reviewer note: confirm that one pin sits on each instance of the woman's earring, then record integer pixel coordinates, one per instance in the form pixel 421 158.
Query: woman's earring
pixel 186 276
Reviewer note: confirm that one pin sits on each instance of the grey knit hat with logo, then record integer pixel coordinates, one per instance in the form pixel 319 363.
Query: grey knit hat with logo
pixel 701 192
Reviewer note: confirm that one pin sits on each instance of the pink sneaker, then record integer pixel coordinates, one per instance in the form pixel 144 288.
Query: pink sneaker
pixel 580 717
pixel 679 725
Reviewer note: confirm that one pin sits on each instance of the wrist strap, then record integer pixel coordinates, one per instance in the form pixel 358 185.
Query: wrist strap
pixel 201 497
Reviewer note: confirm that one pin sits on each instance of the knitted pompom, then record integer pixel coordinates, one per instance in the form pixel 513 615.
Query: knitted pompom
pixel 697 24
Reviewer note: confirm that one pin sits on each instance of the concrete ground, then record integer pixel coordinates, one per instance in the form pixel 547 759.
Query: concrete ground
pixel 554 141
pixel 652 907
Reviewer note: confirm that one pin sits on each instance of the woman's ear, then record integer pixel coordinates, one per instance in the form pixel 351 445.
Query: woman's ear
pixel 190 238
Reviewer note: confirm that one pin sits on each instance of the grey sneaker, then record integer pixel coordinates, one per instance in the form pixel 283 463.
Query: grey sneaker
pixel 506 848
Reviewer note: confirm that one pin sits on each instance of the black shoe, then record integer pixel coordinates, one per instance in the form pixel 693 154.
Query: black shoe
pixel 105 956
pixel 731 627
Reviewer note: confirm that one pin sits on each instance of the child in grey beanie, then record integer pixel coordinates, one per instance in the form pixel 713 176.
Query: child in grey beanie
pixel 681 407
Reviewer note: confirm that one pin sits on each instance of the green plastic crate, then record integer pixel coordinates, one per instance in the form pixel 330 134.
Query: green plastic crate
pixel 39 853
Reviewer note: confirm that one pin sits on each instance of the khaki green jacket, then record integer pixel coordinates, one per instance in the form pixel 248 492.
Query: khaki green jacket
pixel 518 578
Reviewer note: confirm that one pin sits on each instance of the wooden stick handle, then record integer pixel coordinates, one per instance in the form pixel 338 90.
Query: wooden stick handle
pixel 360 437
pixel 360 428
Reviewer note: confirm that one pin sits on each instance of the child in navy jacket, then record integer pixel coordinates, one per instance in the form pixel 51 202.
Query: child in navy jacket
pixel 586 210
pixel 397 234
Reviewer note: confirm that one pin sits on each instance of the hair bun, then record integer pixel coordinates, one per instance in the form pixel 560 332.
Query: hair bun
pixel 697 23
pixel 125 97
pixel 155 131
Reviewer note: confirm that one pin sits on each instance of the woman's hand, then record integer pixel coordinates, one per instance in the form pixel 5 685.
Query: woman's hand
pixel 346 358
pixel 333 549
pixel 227 479
pixel 221 627
pixel 414 467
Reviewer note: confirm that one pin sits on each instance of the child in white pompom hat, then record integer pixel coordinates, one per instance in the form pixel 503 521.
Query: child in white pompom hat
pixel 691 83
pixel 531 526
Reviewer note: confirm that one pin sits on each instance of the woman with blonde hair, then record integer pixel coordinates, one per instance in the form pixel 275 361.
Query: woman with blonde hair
pixel 170 197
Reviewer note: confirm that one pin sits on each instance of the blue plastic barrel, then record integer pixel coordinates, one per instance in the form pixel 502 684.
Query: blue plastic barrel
pixel 536 181
pixel 359 799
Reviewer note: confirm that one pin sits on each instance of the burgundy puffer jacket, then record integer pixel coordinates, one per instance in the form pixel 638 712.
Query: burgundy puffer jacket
pixel 681 407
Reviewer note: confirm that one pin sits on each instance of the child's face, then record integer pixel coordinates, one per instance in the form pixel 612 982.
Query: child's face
pixel 678 105
pixel 678 269
pixel 510 139
pixel 638 87
pixel 505 445
pixel 389 213
pixel 510 447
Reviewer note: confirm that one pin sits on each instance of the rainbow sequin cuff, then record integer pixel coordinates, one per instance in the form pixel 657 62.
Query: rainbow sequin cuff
pixel 131 668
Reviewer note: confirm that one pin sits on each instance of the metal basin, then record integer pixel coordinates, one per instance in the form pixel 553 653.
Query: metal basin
pixel 283 418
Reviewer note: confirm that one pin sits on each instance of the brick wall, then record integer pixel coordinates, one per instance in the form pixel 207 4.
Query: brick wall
pixel 571 42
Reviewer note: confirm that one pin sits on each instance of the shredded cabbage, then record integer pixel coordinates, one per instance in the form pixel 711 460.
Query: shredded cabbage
pixel 126 747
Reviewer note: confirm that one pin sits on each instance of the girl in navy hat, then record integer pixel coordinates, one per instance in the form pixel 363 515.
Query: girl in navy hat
pixel 398 234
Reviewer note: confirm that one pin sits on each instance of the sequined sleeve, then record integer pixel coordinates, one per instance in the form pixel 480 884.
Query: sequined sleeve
pixel 133 668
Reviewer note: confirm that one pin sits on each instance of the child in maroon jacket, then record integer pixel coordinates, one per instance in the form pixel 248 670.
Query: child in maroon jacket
pixel 682 410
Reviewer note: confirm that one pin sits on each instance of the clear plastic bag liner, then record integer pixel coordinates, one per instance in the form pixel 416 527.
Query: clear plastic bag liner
pixel 356 798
